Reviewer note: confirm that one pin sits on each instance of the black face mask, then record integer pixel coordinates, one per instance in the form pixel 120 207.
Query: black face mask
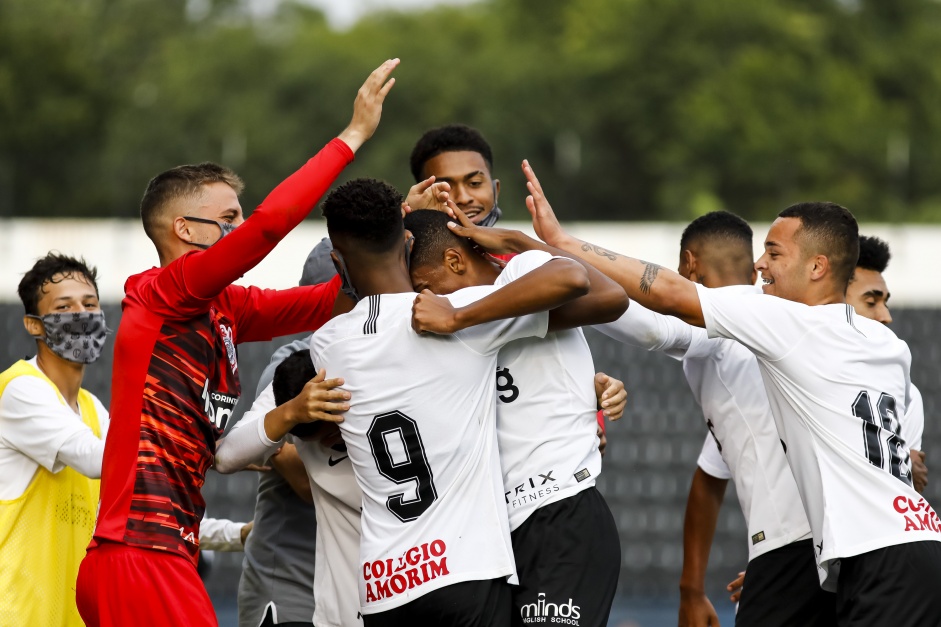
pixel 346 285
pixel 225 227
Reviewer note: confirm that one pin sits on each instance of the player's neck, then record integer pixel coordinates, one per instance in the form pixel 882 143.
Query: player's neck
pixel 66 375
pixel 390 278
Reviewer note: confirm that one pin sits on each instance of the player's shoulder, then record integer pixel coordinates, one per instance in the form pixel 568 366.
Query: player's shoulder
pixel 521 264
pixel 136 282
pixel 364 318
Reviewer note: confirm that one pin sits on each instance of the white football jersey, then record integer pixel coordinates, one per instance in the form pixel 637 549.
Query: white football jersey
pixel 421 436
pixel 913 423
pixel 338 500
pixel 837 383
pixel 726 382
pixel 547 427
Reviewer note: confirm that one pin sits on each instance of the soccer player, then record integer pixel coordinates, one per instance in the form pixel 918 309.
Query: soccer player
pixel 869 295
pixel 176 370
pixel 435 545
pixel 742 444
pixel 459 155
pixel 835 381
pixel 546 433
pixel 51 440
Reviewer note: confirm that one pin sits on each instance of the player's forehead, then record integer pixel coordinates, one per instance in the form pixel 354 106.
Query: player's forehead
pixel 783 233
pixel 214 201
pixel 866 281
pixel 65 288
pixel 456 165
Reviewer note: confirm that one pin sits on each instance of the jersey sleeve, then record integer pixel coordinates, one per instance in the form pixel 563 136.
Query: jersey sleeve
pixel 219 534
pixel 188 284
pixel 768 326
pixel 264 314
pixel 36 423
pixel 489 337
pixel 649 330
pixel 247 443
pixel 913 422
pixel 710 460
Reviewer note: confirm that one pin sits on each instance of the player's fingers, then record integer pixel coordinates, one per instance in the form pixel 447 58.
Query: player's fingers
pixel 329 384
pixel 331 395
pixel 380 75
pixel 422 186
pixel 321 375
pixel 324 416
pixel 385 90
pixel 532 181
pixel 458 230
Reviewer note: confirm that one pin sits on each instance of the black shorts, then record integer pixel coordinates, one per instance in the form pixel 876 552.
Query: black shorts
pixel 898 586
pixel 782 588
pixel 466 604
pixel 568 557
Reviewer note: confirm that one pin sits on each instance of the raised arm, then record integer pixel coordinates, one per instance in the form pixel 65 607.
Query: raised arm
pixel 605 301
pixel 206 273
pixel 649 284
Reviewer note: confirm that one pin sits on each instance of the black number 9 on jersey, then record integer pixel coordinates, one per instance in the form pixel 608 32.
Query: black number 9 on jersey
pixel 396 426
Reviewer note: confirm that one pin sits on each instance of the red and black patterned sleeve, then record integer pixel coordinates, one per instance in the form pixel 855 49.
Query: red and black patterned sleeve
pixel 265 314
pixel 200 276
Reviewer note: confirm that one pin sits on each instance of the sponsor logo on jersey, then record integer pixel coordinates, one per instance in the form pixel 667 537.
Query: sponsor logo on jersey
pixel 333 462
pixel 918 515
pixel 758 537
pixel 392 576
pixel 218 406
pixel 532 489
pixel 506 391
pixel 582 474
pixel 188 536
pixel 542 612
pixel 226 333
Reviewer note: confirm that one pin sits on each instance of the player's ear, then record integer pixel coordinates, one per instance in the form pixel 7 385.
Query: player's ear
pixel 454 261
pixel 34 327
pixel 181 228
pixel 687 264
pixel 819 268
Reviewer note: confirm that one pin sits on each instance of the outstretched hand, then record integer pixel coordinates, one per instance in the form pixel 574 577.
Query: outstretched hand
pixel 367 108
pixel 428 194
pixel 545 223
pixel 612 397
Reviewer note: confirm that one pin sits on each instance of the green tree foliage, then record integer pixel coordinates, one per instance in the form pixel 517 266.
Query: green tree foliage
pixel 628 109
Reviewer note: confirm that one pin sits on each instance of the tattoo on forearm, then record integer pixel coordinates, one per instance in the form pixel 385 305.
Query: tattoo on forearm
pixel 601 252
pixel 649 276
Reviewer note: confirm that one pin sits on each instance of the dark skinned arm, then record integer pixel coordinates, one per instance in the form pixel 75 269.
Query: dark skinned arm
pixel 651 285
pixel 287 463
pixel 699 527
pixel 557 282
pixel 604 302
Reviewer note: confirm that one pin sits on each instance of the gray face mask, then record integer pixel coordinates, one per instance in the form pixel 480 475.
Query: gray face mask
pixel 77 337
pixel 224 227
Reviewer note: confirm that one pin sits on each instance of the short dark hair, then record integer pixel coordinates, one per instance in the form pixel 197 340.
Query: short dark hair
pixel 717 224
pixel 290 377
pixel 368 211
pixel 833 231
pixel 52 268
pixel 873 254
pixel 432 237
pixel 449 138
pixel 180 182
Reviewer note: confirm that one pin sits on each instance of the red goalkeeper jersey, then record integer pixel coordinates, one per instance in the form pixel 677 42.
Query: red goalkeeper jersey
pixel 176 380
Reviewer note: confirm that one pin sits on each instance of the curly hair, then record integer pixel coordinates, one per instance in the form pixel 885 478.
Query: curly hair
pixel 450 138
pixel 52 268
pixel 367 210
pixel 873 254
